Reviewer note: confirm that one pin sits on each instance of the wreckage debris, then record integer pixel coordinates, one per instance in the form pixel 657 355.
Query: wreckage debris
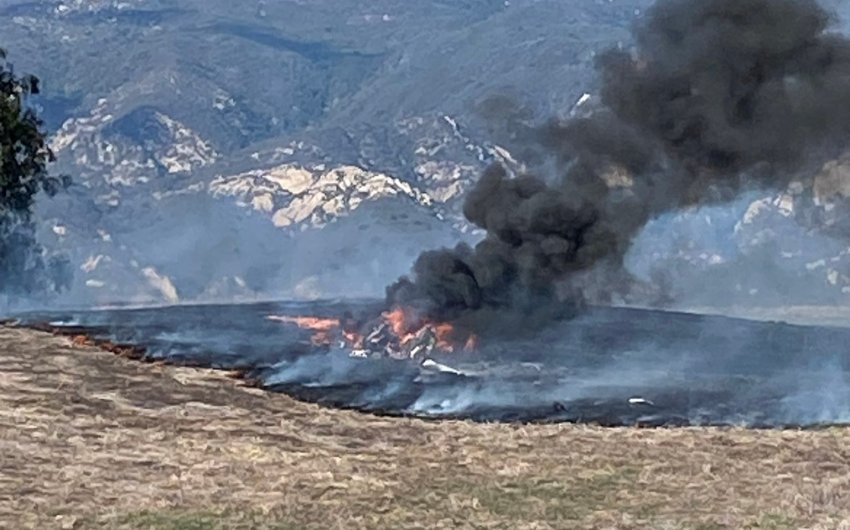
pixel 381 342
pixel 395 335
pixel 431 364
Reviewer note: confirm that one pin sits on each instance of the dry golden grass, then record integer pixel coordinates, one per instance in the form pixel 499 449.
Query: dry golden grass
pixel 91 440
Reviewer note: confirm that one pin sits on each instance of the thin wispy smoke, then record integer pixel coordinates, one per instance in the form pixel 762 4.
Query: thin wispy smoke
pixel 28 274
pixel 716 98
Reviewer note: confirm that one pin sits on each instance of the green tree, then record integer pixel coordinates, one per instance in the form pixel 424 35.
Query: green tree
pixel 25 269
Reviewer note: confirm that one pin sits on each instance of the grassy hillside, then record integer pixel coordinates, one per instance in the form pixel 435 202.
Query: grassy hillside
pixel 94 441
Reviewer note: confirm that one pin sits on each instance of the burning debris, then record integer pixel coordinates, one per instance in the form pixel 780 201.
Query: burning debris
pixel 396 334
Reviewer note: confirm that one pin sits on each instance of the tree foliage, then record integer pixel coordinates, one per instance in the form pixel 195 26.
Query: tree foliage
pixel 24 159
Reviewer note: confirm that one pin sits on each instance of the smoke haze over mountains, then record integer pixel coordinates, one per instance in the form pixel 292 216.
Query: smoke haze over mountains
pixel 317 149
pixel 718 97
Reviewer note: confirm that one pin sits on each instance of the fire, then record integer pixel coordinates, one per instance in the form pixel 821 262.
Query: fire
pixel 321 326
pixel 443 331
pixel 314 323
pixel 352 338
pixel 397 333
pixel 406 328
pixel 396 319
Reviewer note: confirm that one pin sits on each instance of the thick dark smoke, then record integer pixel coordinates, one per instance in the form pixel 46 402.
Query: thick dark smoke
pixel 717 97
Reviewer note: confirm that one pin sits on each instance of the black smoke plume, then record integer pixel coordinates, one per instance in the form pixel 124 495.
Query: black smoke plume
pixel 717 97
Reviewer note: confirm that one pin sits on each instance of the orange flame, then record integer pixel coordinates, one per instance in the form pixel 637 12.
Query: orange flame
pixel 313 323
pixel 353 338
pixel 403 326
pixel 396 320
pixel 406 328
pixel 443 331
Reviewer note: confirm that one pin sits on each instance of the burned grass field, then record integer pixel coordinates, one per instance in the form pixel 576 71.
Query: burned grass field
pixel 607 366
pixel 92 440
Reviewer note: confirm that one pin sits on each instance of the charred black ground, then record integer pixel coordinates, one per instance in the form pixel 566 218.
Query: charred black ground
pixel 607 366
pixel 717 97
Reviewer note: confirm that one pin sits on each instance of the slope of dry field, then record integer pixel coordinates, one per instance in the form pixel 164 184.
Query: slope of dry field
pixel 91 440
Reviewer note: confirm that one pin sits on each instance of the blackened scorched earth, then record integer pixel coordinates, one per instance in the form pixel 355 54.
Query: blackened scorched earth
pixel 608 366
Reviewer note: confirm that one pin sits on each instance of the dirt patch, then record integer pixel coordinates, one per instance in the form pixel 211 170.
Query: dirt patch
pixel 92 440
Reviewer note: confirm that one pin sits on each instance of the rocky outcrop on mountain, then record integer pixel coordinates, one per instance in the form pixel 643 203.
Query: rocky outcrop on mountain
pixel 108 152
pixel 296 196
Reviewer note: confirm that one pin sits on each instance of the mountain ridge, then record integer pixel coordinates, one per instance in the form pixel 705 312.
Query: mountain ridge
pixel 258 127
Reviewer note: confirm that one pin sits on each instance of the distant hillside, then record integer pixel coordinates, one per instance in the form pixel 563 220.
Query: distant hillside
pixel 213 141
